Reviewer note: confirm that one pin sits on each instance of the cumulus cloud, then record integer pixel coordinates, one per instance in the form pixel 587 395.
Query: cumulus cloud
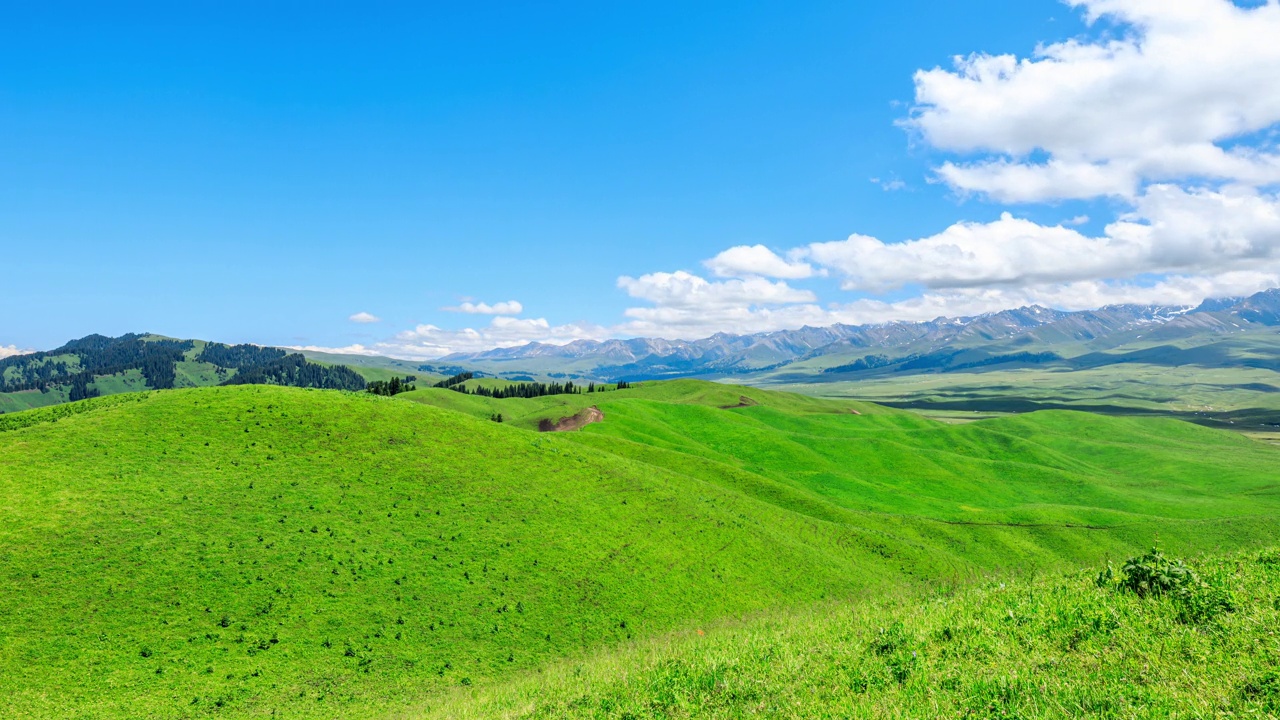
pixel 684 305
pixel 426 341
pixel 1176 246
pixel 1170 99
pixel 743 260
pixel 11 350
pixel 510 307
pixel 1170 230
pixel 364 317
pixel 1183 291
pixel 1167 109
pixel 356 349
pixel 686 290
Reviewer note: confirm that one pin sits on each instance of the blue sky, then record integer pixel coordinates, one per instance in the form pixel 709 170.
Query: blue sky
pixel 262 174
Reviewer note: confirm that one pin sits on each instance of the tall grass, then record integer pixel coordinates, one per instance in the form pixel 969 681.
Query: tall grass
pixel 1056 647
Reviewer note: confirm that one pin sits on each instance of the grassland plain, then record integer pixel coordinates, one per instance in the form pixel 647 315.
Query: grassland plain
pixel 239 551
pixel 1048 647
pixel 1239 398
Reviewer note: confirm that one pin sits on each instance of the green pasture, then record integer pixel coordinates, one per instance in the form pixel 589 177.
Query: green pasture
pixel 256 550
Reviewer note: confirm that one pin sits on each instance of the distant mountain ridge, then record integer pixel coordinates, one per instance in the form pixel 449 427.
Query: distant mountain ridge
pixel 1216 333
pixel 99 365
pixel 1032 327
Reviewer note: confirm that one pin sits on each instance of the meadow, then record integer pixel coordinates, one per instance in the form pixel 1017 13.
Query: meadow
pixel 1234 398
pixel 1049 647
pixel 250 550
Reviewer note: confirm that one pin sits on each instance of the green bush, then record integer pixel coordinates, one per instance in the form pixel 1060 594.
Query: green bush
pixel 1198 601
pixel 1155 574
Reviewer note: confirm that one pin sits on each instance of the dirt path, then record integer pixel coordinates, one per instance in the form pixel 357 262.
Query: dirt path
pixel 573 422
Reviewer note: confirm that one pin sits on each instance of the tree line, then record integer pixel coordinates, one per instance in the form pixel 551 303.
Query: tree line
pixel 295 371
pixel 526 390
pixel 394 386
pixel 455 380
pixel 94 355
pixel 240 357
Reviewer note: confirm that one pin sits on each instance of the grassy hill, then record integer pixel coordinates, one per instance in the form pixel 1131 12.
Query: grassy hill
pixel 97 365
pixel 235 551
pixel 1051 468
pixel 1057 647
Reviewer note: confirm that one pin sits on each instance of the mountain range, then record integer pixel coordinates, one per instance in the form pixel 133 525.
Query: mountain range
pixel 1019 334
pixel 1242 333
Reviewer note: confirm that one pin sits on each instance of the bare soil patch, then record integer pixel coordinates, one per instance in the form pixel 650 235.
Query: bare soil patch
pixel 573 422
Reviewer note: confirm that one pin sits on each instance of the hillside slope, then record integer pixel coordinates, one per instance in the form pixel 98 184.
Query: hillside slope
pixel 239 546
pixel 1058 647
pixel 97 365
pixel 1054 469
pixel 243 550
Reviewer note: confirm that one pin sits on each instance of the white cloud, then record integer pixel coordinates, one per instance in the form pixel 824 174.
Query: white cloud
pixel 685 290
pixel 890 185
pixel 11 350
pixel 356 349
pixel 1170 230
pixel 1164 102
pixel 1174 111
pixel 364 317
pixel 952 302
pixel 686 305
pixel 743 260
pixel 427 341
pixel 1008 251
pixel 1175 247
pixel 510 307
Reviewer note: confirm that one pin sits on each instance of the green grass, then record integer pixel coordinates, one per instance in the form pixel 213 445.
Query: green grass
pixel 1058 647
pixel 1239 398
pixel 28 399
pixel 316 516
pixel 189 373
pixel 1056 467
pixel 130 380
pixel 235 551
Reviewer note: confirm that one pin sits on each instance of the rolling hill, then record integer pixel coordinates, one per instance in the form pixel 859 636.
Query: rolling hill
pixel 1125 359
pixel 1215 364
pixel 1053 647
pixel 247 550
pixel 98 365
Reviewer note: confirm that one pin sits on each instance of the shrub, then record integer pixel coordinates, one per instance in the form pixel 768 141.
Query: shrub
pixel 1155 574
